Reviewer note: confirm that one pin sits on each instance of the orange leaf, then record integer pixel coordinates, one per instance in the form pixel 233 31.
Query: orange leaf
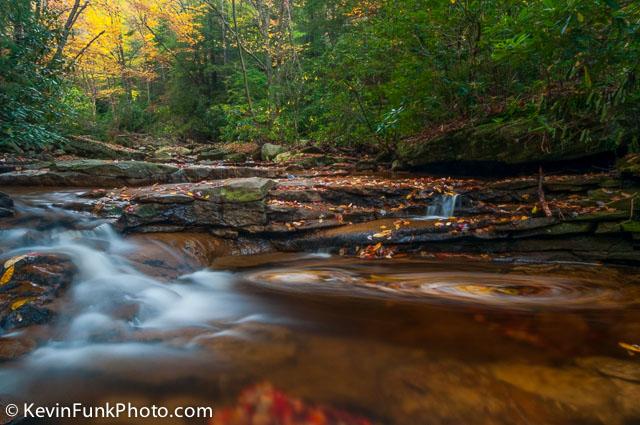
pixel 6 277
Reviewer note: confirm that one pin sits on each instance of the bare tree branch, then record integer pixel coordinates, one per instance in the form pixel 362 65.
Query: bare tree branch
pixel 85 48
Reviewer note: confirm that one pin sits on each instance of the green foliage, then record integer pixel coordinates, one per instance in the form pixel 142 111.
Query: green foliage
pixel 353 73
pixel 30 91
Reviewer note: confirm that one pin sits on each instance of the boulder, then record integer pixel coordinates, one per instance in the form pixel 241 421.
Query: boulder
pixel 269 151
pixel 245 190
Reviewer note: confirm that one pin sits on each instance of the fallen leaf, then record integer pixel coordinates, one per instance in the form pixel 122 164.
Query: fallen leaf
pixel 19 303
pixel 632 349
pixel 6 277
pixel 12 261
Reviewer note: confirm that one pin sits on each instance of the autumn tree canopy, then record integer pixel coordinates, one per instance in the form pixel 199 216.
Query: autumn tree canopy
pixel 354 73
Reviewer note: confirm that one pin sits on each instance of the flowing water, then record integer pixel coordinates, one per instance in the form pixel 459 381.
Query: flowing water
pixel 443 206
pixel 448 340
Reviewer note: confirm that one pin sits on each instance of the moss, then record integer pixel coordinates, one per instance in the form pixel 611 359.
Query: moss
pixel 608 228
pixel 240 195
pixel 147 211
pixel 245 190
pixel 631 226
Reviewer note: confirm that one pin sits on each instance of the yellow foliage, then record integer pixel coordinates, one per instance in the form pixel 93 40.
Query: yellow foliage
pixel 6 277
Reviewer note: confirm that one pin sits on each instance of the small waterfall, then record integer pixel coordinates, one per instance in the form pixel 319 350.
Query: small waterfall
pixel 442 207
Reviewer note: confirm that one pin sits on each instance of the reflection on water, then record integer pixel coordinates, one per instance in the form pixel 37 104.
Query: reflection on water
pixel 406 341
pixel 509 290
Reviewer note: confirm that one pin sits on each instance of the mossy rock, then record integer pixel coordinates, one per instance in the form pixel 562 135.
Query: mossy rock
pixel 147 210
pixel 245 190
pixel 269 151
pixel 285 157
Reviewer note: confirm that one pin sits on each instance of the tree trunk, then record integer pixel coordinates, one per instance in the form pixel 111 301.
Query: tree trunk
pixel 74 14
pixel 242 63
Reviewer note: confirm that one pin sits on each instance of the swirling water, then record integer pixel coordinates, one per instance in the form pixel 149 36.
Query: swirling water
pixel 404 341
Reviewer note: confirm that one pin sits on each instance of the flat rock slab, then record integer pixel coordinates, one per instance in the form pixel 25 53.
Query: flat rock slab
pixel 92 173
pixel 230 203
pixel 99 173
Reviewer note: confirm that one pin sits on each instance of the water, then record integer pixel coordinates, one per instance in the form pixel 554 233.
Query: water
pixel 404 341
pixel 443 206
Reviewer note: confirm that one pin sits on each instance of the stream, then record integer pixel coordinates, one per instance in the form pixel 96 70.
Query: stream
pixel 444 339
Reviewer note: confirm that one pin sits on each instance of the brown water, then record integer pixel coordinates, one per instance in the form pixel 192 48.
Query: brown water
pixel 405 341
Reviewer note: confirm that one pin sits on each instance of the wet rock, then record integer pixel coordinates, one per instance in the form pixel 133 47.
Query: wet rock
pixel 26 315
pixel 269 151
pixel 621 369
pixel 586 392
pixel 6 205
pixel 171 255
pixel 229 203
pixel 253 344
pixel 557 230
pixel 450 392
pixel 29 283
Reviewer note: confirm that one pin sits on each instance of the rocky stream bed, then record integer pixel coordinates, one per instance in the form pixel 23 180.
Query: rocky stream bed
pixel 354 295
